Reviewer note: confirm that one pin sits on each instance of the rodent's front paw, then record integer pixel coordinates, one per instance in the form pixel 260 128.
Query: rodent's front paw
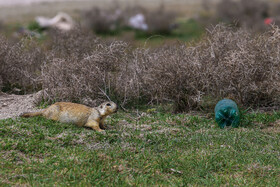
pixel 101 131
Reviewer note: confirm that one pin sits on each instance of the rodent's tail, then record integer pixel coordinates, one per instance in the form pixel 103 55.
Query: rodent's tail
pixel 30 114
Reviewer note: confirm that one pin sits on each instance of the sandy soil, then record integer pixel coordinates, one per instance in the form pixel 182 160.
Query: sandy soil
pixel 13 105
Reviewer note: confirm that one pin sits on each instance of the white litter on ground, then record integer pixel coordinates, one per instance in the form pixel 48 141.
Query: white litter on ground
pixel 138 22
pixel 61 21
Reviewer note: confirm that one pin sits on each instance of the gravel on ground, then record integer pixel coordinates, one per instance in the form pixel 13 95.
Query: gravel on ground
pixel 12 106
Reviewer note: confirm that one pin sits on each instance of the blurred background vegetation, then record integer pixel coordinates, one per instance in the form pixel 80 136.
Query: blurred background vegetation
pixel 126 47
pixel 166 21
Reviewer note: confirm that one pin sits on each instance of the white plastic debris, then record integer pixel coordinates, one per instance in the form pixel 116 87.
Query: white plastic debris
pixel 61 21
pixel 138 22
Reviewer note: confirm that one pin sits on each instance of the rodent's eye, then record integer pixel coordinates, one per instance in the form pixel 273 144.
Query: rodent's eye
pixel 108 104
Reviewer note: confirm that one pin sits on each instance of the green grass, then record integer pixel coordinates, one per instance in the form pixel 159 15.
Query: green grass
pixel 148 148
pixel 187 31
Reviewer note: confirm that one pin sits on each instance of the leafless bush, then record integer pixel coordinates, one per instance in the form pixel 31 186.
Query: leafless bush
pixel 3 50
pixel 228 62
pixel 114 19
pixel 79 67
pixel 173 74
pixel 103 21
pixel 77 43
pixel 20 64
pixel 244 13
pixel 249 65
pixel 83 68
pixel 160 21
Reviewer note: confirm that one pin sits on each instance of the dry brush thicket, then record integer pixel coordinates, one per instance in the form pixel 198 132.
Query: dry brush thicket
pixel 227 63
pixel 246 13
pixel 250 14
pixel 20 65
pixel 115 19
pixel 103 21
pixel 82 68
pixel 236 63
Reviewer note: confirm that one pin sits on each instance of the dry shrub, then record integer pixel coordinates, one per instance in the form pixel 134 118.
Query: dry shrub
pixel 246 13
pixel 74 44
pixel 103 21
pixel 3 50
pixel 160 21
pixel 112 20
pixel 83 68
pixel 175 75
pixel 244 65
pixel 227 62
pixel 20 65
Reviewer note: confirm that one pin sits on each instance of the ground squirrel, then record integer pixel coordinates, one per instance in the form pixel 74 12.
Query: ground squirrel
pixel 78 114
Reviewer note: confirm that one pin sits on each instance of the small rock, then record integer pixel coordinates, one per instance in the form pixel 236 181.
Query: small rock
pixel 4 104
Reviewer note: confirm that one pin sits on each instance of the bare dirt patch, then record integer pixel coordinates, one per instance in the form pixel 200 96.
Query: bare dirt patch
pixel 13 105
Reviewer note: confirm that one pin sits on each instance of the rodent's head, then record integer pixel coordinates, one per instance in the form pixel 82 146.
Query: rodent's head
pixel 108 108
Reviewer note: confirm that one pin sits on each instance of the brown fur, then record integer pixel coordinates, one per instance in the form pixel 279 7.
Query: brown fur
pixel 77 114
